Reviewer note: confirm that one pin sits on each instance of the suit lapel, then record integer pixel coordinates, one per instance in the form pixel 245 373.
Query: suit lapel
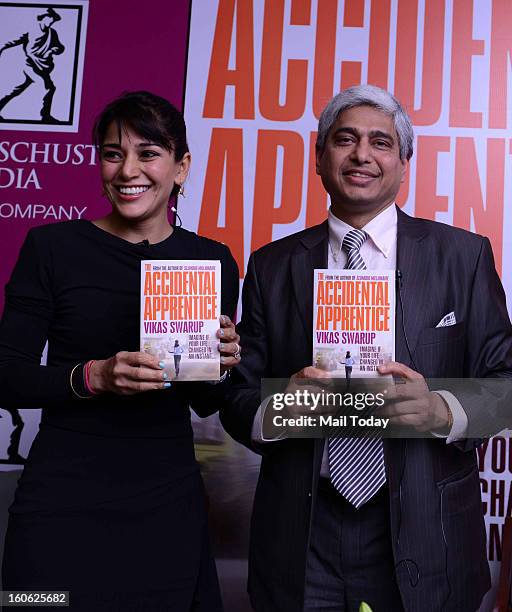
pixel 413 264
pixel 412 261
pixel 311 253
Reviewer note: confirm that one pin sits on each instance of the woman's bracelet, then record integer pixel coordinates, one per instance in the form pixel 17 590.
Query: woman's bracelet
pixel 77 382
pixel 87 373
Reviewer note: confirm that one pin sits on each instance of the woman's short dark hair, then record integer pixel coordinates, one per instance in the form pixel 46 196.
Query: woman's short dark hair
pixel 148 115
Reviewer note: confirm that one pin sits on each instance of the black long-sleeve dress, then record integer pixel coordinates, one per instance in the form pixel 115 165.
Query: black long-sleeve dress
pixel 110 505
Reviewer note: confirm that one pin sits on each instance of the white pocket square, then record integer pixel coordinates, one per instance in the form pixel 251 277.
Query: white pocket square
pixel 447 320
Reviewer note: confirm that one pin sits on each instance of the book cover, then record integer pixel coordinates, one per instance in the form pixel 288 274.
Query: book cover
pixel 353 321
pixel 179 316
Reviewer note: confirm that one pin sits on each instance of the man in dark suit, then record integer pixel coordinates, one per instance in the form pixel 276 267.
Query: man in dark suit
pixel 414 537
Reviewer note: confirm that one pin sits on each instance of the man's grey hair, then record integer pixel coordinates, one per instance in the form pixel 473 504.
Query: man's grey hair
pixel 368 95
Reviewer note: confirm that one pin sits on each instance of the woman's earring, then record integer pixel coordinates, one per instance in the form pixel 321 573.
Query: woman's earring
pixel 181 192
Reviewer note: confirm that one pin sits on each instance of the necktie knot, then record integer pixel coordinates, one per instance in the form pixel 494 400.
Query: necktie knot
pixel 352 242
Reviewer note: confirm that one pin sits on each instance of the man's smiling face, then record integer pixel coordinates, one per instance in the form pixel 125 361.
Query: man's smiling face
pixel 360 164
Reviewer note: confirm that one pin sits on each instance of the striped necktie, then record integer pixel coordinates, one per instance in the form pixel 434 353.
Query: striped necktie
pixel 356 465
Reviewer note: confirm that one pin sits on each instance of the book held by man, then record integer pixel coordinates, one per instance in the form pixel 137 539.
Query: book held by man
pixel 179 316
pixel 353 321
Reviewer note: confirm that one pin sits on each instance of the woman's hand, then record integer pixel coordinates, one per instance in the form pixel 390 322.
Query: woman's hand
pixel 127 373
pixel 229 346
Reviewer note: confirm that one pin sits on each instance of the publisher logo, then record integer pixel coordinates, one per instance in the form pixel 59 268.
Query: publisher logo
pixel 41 64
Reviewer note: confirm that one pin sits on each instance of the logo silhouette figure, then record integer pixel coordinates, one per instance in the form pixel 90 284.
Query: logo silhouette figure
pixel 40 45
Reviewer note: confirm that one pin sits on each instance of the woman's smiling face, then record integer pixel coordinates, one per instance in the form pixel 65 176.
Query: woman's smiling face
pixel 138 176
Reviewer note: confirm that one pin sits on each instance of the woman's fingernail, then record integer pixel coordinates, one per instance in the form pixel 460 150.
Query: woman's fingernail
pixel 223 359
pixel 219 346
pixel 165 377
pixel 221 332
pixel 161 364
pixel 167 385
pixel 223 319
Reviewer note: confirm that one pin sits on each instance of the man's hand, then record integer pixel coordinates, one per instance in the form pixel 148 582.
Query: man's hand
pixel 411 403
pixel 302 384
pixel 310 380
pixel 300 380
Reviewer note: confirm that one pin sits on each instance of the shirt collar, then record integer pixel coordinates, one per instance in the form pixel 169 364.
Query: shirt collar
pixel 381 230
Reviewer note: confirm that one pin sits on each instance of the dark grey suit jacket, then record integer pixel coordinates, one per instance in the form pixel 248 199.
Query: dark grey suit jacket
pixel 437 526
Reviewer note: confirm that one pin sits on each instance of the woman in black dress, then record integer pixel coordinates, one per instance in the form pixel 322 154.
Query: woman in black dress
pixel 110 505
